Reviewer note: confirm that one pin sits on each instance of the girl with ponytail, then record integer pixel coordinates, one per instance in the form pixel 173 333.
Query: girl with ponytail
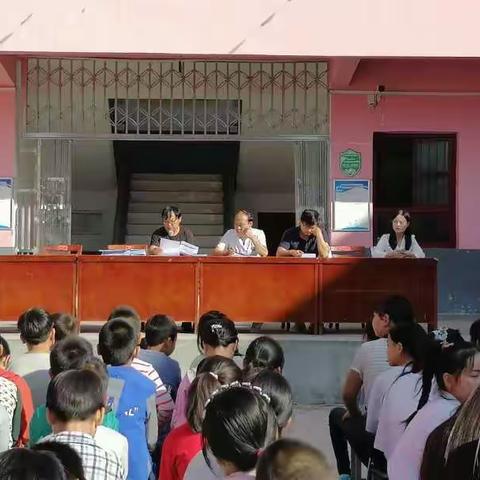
pixel 395 393
pixel 263 353
pixel 217 335
pixel 452 449
pixel 238 425
pixel 184 443
pixel 279 393
pixel 449 376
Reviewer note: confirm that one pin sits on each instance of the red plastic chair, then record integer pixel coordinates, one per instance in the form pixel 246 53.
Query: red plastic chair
pixel 75 249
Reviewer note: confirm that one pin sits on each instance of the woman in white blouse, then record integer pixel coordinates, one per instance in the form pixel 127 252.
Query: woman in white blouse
pixel 399 243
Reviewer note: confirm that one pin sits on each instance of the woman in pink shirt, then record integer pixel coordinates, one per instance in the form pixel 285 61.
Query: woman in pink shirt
pixel 216 335
pixel 239 424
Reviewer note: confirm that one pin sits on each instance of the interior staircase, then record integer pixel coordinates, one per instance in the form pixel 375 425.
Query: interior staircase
pixel 199 197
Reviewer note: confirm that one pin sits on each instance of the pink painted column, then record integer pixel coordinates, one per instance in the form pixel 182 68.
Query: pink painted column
pixel 7 131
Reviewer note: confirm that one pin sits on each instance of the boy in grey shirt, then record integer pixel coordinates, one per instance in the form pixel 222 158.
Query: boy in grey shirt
pixel 38 334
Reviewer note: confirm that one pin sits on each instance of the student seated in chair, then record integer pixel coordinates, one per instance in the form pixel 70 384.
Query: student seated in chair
pixel 76 406
pixel 37 332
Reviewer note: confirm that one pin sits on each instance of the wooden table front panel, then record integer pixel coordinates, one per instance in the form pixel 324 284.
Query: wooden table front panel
pixel 149 284
pixel 247 289
pixel 352 287
pixel 36 281
pixel 260 290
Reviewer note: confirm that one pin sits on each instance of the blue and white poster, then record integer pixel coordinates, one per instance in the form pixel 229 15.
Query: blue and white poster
pixel 351 207
pixel 6 193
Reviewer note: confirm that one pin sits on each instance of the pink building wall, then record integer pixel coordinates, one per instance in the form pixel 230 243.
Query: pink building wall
pixel 7 131
pixel 353 124
pixel 7 147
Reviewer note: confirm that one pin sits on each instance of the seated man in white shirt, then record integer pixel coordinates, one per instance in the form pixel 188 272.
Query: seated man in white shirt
pixel 243 239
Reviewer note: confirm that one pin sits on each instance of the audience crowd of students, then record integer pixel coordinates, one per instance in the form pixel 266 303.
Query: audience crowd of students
pixel 123 410
pixel 408 397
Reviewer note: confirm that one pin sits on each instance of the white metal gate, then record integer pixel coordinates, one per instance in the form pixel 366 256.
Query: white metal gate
pixel 43 211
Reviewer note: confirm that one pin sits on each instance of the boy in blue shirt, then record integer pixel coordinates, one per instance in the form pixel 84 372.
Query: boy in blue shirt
pixel 159 343
pixel 135 399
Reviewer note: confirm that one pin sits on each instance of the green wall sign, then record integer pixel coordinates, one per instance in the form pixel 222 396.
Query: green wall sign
pixel 350 162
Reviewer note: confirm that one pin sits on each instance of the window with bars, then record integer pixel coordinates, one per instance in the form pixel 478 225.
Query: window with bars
pixel 416 172
pixel 175 116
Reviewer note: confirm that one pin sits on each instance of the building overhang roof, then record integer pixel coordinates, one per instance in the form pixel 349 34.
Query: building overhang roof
pixel 242 28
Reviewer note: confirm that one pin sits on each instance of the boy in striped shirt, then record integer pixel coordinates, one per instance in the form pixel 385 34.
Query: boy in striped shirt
pixel 163 398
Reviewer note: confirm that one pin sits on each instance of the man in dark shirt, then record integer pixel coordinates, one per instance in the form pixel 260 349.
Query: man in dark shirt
pixel 172 229
pixel 306 238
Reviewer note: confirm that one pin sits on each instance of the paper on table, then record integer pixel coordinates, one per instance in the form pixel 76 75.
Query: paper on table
pixel 138 252
pixel 131 252
pixel 173 248
pixel 188 249
pixel 112 252
pixel 309 255
pixel 170 248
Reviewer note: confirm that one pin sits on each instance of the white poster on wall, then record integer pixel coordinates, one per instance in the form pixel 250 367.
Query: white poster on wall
pixel 351 207
pixel 6 196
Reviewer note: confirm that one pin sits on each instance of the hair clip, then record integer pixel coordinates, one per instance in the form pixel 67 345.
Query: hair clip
pixel 440 335
pixel 220 389
pixel 214 327
pixel 258 390
pixel 262 393
pixel 214 375
pixel 246 385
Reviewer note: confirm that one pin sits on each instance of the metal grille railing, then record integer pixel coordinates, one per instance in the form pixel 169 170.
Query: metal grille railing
pixel 140 98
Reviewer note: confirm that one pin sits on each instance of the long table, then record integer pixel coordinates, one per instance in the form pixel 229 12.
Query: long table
pixel 44 281
pixel 247 289
pixel 150 284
